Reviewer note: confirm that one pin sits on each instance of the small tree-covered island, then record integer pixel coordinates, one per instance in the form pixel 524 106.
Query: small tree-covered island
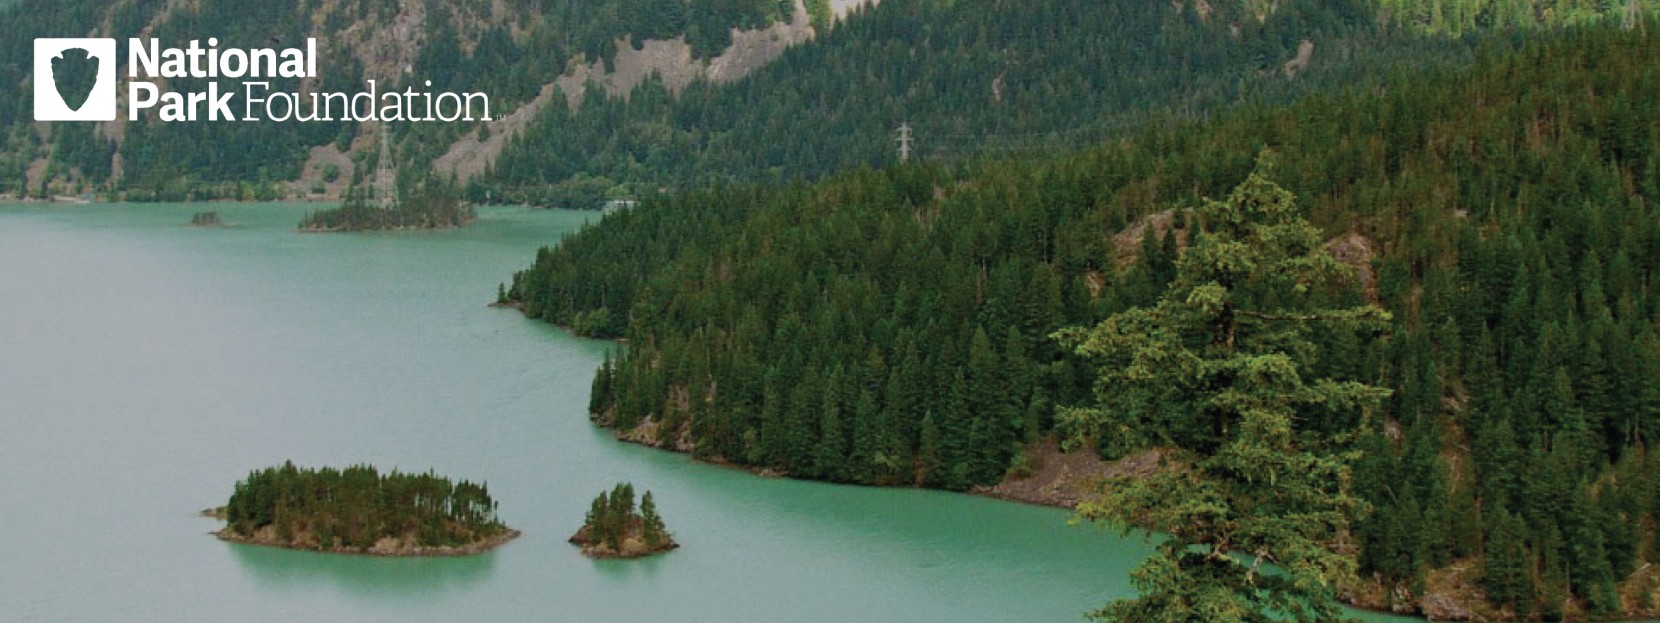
pixel 614 528
pixel 435 211
pixel 358 510
pixel 433 205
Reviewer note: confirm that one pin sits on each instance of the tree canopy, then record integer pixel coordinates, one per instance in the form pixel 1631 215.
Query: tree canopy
pixel 891 326
pixel 1257 467
pixel 615 528
pixel 356 507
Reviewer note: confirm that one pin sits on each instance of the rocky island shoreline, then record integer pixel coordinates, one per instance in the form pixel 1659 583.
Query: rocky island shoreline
pixel 357 510
pixel 614 528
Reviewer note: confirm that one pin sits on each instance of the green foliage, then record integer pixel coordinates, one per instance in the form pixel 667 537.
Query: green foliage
pixel 356 507
pixel 651 524
pixel 1001 76
pixel 1218 372
pixel 470 46
pixel 1503 212
pixel 1459 16
pixel 592 322
pixel 971 78
pixel 433 206
pixel 612 519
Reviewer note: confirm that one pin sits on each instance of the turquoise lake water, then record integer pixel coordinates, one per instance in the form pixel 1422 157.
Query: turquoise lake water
pixel 145 366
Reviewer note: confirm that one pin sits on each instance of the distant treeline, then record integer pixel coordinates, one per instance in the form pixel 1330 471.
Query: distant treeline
pixel 893 327
pixel 357 506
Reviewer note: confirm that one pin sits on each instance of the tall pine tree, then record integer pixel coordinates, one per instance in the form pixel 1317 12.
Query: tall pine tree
pixel 1230 341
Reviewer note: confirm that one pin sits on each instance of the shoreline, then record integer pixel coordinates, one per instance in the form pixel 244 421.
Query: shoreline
pixel 399 551
pixel 633 546
pixel 401 228
pixel 387 547
pixel 1058 484
pixel 594 553
pixel 1463 604
pixel 1432 606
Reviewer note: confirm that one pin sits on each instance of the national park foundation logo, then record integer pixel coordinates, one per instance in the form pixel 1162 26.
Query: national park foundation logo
pixel 74 79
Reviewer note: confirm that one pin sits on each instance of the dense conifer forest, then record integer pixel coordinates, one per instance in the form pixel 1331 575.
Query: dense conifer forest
pixel 506 49
pixel 972 78
pixel 353 509
pixel 1485 171
pixel 894 326
pixel 1000 77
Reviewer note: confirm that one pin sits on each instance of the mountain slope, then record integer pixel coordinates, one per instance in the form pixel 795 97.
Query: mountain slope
pixel 510 49
pixel 971 78
pixel 891 327
pixel 968 77
pixel 977 78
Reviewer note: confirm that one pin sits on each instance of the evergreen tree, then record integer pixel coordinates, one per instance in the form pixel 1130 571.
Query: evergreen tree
pixel 652 524
pixel 1507 568
pixel 929 465
pixel 1480 225
pixel 830 458
pixel 1230 338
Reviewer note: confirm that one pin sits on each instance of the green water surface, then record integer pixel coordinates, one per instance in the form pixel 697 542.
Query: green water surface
pixel 145 366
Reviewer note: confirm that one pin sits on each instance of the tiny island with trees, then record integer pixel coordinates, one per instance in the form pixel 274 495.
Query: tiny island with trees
pixel 615 529
pixel 435 206
pixel 206 219
pixel 358 510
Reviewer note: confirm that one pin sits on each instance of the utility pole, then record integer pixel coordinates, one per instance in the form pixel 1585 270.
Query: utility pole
pixel 904 142
pixel 386 175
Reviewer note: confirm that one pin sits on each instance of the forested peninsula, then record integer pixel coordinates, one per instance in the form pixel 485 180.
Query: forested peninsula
pixel 894 327
pixel 358 510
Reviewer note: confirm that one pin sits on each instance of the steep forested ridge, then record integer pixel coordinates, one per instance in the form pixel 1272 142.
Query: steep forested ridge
pixel 969 77
pixel 893 326
pixel 506 49
pixel 974 78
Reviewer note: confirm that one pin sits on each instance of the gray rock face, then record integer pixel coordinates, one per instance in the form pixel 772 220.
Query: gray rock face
pixel 1443 607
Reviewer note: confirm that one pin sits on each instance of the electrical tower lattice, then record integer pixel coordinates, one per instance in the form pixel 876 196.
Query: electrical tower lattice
pixel 386 175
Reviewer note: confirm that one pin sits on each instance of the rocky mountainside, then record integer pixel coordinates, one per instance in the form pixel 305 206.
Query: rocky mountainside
pixel 517 51
pixel 663 96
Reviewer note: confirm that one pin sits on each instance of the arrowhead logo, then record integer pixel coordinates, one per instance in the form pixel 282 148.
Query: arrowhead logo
pixel 73 71
pixel 74 79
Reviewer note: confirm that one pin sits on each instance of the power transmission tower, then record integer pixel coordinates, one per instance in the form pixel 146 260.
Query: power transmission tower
pixel 904 142
pixel 386 175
